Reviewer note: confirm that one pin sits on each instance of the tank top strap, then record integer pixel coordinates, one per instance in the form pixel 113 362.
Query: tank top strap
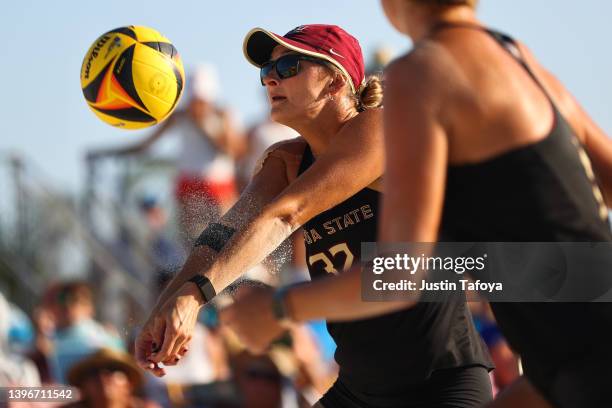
pixel 507 42
pixel 307 159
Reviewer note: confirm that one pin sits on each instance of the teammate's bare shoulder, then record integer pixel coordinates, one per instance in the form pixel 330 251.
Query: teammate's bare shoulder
pixel 428 68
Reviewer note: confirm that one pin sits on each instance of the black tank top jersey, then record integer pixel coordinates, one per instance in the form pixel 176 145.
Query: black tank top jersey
pixel 385 353
pixel 542 192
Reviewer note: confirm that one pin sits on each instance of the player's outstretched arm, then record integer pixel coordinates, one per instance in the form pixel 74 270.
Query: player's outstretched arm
pixel 168 329
pixel 276 202
pixel 266 214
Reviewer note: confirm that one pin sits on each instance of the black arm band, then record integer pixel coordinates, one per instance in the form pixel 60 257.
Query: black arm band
pixel 215 236
pixel 206 288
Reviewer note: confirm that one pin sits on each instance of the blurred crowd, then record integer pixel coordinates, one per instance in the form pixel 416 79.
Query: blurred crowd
pixel 64 344
pixel 63 341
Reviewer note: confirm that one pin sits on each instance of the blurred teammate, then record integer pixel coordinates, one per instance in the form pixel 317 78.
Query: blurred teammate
pixel 506 151
pixel 314 75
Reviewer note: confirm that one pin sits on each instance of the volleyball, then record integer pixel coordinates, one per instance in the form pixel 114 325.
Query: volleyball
pixel 132 77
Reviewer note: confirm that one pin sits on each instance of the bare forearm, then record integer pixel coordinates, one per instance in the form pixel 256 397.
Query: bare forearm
pixel 336 298
pixel 253 240
pixel 198 259
pixel 247 249
pixel 245 217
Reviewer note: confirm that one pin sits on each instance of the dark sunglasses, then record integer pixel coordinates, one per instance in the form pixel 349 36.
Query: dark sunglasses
pixel 287 66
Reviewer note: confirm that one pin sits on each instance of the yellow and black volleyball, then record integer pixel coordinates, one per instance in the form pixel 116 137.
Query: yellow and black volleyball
pixel 132 77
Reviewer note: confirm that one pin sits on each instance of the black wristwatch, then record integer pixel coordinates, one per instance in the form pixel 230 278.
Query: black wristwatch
pixel 279 306
pixel 206 288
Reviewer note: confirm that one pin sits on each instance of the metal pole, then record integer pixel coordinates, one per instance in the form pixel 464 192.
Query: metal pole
pixel 21 227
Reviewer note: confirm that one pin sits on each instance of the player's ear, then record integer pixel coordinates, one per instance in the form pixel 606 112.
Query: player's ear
pixel 336 84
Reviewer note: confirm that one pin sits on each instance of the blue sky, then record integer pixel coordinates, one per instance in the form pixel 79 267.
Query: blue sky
pixel 43 114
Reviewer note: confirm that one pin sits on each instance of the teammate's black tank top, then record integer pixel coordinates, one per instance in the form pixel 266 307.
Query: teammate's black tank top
pixel 541 192
pixel 383 354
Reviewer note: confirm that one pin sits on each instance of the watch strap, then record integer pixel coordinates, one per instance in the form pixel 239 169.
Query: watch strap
pixel 279 304
pixel 205 286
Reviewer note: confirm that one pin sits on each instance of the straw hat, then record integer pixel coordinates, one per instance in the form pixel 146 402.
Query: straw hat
pixel 106 358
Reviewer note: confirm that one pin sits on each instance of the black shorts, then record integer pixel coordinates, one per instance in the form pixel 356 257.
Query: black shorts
pixel 465 387
pixel 582 382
